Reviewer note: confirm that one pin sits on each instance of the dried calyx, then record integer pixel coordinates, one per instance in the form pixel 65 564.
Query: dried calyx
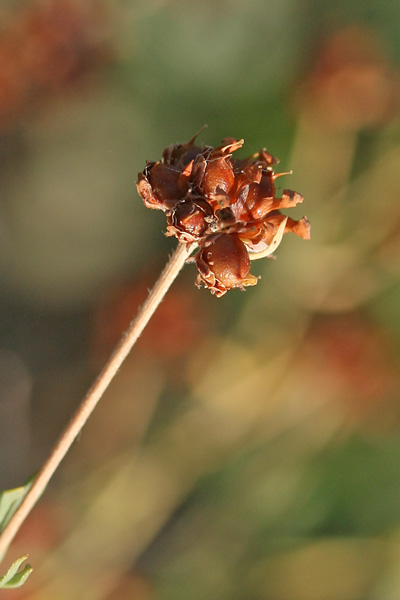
pixel 227 206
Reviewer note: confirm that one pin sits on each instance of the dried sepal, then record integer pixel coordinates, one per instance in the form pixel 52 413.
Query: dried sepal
pixel 273 245
pixel 180 155
pixel 302 228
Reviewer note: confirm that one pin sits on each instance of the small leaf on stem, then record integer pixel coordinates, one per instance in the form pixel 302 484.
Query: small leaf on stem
pixel 14 577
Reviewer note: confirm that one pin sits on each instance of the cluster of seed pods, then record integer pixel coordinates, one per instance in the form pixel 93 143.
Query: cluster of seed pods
pixel 226 206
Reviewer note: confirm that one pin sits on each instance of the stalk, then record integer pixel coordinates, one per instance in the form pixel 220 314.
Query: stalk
pixel 96 391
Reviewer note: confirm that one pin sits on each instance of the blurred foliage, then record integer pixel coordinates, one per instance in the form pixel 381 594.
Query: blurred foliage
pixel 250 446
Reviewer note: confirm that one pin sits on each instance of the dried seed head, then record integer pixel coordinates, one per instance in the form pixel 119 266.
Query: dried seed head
pixel 227 206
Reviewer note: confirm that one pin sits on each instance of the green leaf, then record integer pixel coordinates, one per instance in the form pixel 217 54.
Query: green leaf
pixel 10 501
pixel 14 577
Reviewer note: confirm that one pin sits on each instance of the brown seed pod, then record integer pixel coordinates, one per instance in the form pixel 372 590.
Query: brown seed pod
pixel 218 181
pixel 255 189
pixel 213 174
pixel 223 264
pixel 191 219
pixel 161 186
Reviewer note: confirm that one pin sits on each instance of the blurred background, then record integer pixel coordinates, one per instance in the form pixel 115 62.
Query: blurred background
pixel 249 448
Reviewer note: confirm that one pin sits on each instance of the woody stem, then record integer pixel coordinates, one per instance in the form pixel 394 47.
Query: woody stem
pixel 96 391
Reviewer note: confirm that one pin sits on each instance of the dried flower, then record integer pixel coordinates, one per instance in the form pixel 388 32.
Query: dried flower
pixel 228 207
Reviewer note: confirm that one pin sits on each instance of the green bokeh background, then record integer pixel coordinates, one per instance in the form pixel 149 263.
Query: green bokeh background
pixel 250 447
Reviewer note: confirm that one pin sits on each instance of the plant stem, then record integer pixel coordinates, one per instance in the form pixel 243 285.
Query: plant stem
pixel 96 391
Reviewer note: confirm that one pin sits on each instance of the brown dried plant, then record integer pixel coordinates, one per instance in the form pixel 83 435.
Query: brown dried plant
pixel 227 206
pixel 228 210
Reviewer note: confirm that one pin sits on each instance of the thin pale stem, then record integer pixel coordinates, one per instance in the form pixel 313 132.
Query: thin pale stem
pixel 89 403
